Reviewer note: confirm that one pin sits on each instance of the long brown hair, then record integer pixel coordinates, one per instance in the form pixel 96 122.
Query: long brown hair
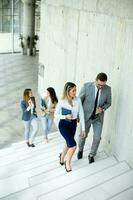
pixel 52 93
pixel 26 95
pixel 68 86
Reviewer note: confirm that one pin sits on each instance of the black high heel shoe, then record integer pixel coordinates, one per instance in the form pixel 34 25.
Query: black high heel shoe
pixel 61 163
pixel 68 170
pixel 28 144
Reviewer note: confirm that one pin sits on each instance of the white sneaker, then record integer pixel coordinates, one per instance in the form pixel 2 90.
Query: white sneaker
pixel 46 140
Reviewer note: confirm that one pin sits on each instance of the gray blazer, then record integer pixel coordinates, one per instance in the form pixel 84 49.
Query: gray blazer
pixel 87 95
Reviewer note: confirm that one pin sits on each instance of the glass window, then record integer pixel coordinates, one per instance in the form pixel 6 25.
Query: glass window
pixel 6 20
pixel 6 3
pixel 6 17
pixel 16 11
pixel 16 20
pixel 6 28
pixel 0 23
pixel 6 24
pixel 0 3
pixel 16 4
pixel 6 11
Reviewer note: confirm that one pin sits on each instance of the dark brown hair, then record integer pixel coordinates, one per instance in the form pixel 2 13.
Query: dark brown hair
pixel 102 77
pixel 52 93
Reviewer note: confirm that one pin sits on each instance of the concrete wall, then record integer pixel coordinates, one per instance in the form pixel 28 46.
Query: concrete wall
pixel 80 38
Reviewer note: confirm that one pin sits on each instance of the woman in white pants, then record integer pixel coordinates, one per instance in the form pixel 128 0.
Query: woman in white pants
pixel 48 105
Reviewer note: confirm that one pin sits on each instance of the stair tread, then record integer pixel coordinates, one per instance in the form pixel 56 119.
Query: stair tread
pixel 45 157
pixel 109 189
pixel 87 183
pixel 45 187
pixel 13 184
pixel 57 171
pixel 126 195
pixel 35 173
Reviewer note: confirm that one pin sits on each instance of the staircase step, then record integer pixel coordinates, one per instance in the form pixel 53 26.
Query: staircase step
pixel 126 195
pixel 55 172
pixel 109 189
pixel 13 184
pixel 6 151
pixel 37 139
pixel 42 158
pixel 23 152
pixel 99 171
pixel 21 146
pixel 35 155
pixel 86 183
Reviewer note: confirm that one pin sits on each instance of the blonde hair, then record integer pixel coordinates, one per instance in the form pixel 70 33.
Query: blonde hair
pixel 68 86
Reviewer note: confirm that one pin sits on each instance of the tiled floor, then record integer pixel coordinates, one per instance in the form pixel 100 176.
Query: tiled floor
pixel 17 72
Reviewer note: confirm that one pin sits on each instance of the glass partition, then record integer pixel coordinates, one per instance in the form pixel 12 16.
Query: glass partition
pixel 11 23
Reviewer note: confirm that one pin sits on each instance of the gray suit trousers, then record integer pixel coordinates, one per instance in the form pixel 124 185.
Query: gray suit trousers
pixel 97 125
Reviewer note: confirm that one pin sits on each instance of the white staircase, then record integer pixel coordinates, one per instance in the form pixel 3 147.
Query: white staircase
pixel 35 174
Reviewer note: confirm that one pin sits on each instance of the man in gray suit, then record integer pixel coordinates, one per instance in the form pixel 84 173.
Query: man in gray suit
pixel 96 99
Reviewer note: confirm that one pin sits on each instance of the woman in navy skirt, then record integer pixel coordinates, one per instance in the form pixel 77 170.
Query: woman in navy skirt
pixel 68 111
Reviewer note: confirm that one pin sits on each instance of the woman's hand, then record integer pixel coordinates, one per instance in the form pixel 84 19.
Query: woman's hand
pixel 30 102
pixel 69 117
pixel 43 109
pixel 82 134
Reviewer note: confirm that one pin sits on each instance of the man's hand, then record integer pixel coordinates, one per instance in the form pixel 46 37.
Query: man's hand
pixel 99 110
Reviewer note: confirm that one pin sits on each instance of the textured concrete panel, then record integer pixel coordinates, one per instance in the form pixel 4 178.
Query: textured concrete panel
pixel 85 39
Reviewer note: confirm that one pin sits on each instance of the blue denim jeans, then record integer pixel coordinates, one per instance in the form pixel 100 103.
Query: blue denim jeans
pixel 47 121
pixel 27 125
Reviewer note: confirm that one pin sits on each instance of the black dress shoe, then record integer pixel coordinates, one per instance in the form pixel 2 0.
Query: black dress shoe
pixel 91 159
pixel 61 163
pixel 67 170
pixel 80 155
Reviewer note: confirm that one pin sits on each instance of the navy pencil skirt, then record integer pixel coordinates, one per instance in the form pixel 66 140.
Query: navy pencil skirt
pixel 67 130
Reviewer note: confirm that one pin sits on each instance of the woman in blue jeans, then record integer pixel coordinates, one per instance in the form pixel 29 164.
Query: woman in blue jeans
pixel 48 105
pixel 29 116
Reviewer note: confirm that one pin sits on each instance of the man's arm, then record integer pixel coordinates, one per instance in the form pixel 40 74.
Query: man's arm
pixel 82 94
pixel 109 100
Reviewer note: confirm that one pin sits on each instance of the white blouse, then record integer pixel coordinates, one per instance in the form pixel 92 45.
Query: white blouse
pixel 76 109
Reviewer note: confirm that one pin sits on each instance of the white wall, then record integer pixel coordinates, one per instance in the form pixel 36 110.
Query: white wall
pixel 80 38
